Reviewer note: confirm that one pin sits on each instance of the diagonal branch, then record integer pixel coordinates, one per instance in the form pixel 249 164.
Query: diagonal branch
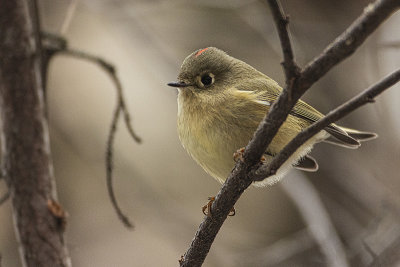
pixel 365 97
pixel 345 45
pixel 242 175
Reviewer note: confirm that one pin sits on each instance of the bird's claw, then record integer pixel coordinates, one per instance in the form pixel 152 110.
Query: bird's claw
pixel 207 208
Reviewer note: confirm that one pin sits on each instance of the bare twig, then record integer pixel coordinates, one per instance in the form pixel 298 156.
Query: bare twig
pixel 281 20
pixel 68 16
pixel 4 197
pixel 110 69
pixel 365 97
pixel 56 44
pixel 278 252
pixel 389 257
pixel 241 176
pixel 120 107
pixel 109 167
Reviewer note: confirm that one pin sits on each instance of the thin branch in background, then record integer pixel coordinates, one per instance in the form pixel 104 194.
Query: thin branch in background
pixel 278 252
pixel 242 176
pixel 109 168
pixel 367 96
pixel 4 197
pixel 68 16
pixel 315 216
pixel 394 45
pixel 110 69
pixel 56 44
pixel 121 106
pixel 389 256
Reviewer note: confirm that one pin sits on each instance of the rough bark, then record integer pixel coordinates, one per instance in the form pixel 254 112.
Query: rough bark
pixel 26 159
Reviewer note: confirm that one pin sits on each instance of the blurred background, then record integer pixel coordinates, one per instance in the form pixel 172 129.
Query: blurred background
pixel 347 213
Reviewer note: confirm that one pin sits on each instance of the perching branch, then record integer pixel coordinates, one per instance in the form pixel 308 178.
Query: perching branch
pixel 56 44
pixel 243 174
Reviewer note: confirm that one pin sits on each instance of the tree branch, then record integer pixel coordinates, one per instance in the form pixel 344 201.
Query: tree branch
pixel 56 44
pixel 242 175
pixel 281 20
pixel 345 45
pixel 367 96
pixel 4 197
pixel 120 107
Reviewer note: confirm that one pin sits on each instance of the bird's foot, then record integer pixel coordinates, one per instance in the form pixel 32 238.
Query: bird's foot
pixel 207 208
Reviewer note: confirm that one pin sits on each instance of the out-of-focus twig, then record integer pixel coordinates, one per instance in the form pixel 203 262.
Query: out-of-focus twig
pixel 110 167
pixel 110 69
pixel 4 197
pixel 57 44
pixel 314 214
pixel 280 251
pixel 120 107
pixel 68 16
pixel 389 257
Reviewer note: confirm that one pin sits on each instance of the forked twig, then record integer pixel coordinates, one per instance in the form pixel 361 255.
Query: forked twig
pixel 56 44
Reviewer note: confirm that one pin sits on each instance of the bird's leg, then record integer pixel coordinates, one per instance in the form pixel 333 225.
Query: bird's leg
pixel 207 208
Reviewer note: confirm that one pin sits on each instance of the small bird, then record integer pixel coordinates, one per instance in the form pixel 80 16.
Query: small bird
pixel 222 100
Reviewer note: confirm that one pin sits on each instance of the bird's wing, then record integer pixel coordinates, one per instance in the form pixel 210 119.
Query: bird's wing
pixel 301 110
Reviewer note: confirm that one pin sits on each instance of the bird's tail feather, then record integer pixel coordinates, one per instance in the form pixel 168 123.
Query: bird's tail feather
pixel 346 137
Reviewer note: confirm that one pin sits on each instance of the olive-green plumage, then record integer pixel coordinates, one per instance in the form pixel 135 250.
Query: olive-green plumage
pixel 222 100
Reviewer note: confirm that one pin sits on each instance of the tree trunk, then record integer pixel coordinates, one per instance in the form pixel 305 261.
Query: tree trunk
pixel 26 159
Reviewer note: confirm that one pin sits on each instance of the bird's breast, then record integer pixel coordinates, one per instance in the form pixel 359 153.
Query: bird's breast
pixel 212 133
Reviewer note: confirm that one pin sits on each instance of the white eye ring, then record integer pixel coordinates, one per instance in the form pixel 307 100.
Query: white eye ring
pixel 206 79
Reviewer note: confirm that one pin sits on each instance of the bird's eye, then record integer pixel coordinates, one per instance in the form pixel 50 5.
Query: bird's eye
pixel 207 79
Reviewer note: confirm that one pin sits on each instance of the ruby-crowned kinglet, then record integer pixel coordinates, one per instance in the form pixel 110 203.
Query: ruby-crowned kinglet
pixel 222 100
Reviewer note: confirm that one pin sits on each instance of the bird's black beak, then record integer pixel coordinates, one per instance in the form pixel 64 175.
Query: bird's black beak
pixel 178 84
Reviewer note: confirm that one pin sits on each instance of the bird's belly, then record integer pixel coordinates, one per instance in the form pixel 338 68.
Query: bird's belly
pixel 212 149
